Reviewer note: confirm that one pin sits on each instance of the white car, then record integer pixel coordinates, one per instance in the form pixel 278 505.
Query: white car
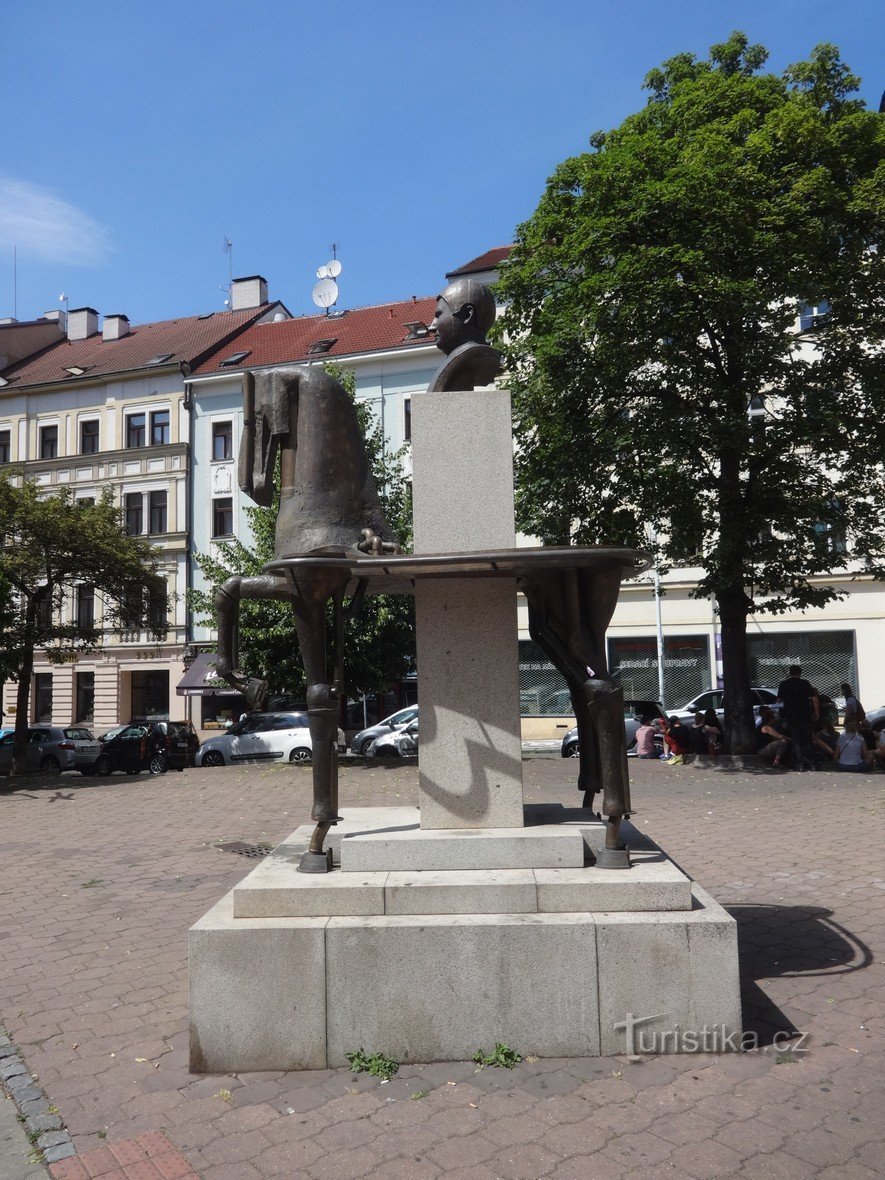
pixel 262 737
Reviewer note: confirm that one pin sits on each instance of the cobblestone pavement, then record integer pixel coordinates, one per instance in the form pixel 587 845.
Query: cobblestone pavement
pixel 100 880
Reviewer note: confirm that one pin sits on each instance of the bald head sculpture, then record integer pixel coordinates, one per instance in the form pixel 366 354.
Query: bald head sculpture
pixel 465 311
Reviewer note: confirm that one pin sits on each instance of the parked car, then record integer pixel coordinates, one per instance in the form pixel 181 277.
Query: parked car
pixel 111 733
pixel 876 719
pixel 361 741
pixel 262 737
pixel 634 711
pixel 397 743
pixel 180 739
pixel 137 747
pixel 54 748
pixel 712 699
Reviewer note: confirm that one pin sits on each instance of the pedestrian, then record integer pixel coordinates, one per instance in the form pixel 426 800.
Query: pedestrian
pixel 801 709
pixel 851 750
pixel 824 739
pixel 645 739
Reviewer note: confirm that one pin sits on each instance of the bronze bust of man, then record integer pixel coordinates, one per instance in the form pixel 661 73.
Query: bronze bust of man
pixel 465 311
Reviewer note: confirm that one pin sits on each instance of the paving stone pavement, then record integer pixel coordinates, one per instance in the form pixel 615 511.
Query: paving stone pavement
pixel 100 880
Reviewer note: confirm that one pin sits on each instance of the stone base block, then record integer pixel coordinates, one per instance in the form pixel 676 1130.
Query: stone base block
pixel 299 993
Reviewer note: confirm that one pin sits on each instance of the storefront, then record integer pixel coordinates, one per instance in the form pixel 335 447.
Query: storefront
pixel 219 704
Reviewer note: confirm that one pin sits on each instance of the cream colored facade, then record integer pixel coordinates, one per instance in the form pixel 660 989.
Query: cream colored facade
pixel 131 674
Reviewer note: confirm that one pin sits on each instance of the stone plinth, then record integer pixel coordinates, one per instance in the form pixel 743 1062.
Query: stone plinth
pixel 455 960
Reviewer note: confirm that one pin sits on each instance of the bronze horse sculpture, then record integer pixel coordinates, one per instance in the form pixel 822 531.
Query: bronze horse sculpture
pixel 328 506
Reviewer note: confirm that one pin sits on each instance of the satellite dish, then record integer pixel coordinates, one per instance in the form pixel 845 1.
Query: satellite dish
pixel 333 268
pixel 325 292
pixel 323 272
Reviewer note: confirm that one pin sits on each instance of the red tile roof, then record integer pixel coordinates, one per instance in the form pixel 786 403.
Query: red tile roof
pixel 189 339
pixel 491 260
pixel 361 330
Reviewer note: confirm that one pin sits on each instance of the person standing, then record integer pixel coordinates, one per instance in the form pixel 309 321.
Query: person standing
pixel 853 707
pixel 801 710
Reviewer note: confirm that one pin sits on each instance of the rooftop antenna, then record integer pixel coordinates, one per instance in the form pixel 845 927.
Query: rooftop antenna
pixel 64 299
pixel 325 293
pixel 228 248
pixel 15 281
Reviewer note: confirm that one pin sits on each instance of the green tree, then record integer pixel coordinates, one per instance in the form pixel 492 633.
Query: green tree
pixel 651 340
pixel 379 644
pixel 51 544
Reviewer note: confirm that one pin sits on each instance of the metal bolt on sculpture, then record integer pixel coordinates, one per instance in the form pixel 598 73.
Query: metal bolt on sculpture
pixel 332 538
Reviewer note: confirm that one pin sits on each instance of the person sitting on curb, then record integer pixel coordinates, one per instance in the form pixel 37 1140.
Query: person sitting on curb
pixel 773 743
pixel 713 730
pixel 823 741
pixel 677 739
pixel 851 750
pixel 645 739
pixel 697 736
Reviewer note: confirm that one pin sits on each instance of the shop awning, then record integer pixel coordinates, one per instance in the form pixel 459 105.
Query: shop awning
pixel 201 679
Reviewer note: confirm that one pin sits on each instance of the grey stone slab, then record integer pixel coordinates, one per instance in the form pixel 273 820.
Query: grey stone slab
pixel 276 889
pixel 52 1139
pixel 14 1070
pixel 470 762
pixel 353 819
pixel 437 988
pixel 43 1122
pixel 15 1147
pixel 652 884
pixel 257 992
pixel 464 849
pixel 495 891
pixel 462 457
pixel 64 1151
pixel 677 973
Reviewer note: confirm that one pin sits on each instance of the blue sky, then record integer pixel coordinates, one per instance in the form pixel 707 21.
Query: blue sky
pixel 414 136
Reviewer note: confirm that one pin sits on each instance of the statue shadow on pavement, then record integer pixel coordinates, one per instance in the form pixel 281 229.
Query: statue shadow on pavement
pixel 785 941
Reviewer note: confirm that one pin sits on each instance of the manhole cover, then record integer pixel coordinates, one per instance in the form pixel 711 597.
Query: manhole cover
pixel 241 848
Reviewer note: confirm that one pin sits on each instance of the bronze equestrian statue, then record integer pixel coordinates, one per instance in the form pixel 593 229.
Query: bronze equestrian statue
pixel 328 506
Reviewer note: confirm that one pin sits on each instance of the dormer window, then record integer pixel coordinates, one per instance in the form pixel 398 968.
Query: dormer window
pixel 320 346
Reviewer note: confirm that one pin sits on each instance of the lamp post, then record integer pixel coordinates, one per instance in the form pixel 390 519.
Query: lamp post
pixel 651 538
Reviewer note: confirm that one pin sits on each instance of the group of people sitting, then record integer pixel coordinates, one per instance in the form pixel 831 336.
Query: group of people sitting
pixel 802 736
pixel 703 736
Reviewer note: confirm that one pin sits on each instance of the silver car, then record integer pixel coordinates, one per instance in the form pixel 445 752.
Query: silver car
pixel 398 743
pixel 361 741
pixel 53 748
pixel 712 699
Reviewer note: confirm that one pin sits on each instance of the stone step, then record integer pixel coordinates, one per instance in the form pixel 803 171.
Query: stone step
pixel 446 849
pixel 275 889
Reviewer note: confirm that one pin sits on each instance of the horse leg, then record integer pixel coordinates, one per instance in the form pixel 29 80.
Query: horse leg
pixel 322 711
pixel 227 606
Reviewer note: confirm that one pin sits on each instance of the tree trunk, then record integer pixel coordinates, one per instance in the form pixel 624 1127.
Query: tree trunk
pixel 23 695
pixel 740 728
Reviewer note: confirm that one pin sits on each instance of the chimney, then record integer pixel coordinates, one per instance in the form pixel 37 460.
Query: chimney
pixel 56 316
pixel 247 293
pixel 115 327
pixel 82 323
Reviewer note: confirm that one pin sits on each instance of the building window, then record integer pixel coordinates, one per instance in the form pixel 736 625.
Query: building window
pixel 43 696
pixel 223 517
pixel 157 512
pixel 159 609
pixel 89 437
pixel 407 419
pixel 4 446
pixel 131 610
pixel 159 428
pixel 150 695
pixel 85 606
pixel 222 440
pixel 48 442
pixel 134 512
pixel 812 315
pixel 44 611
pixel 135 426
pixel 85 696
pixel 85 501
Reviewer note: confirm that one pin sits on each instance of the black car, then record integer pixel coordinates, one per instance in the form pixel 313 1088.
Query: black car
pixel 156 746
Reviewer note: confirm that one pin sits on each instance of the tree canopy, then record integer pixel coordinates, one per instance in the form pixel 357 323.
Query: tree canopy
pixel 379 643
pixel 51 545
pixel 650 337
